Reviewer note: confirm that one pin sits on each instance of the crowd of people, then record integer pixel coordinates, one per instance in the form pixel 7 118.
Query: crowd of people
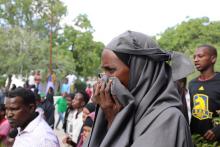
pixel 137 101
pixel 29 114
pixel 32 120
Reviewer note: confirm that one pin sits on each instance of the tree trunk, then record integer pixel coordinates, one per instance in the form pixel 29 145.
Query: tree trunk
pixel 9 82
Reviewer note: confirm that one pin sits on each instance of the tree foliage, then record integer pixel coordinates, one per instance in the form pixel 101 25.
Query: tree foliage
pixel 189 34
pixel 20 50
pixel 24 29
pixel 84 50
pixel 37 15
pixel 25 26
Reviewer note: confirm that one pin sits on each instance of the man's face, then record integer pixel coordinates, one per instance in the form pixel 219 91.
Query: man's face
pixel 78 101
pixel 17 112
pixel 203 59
pixel 69 101
pixel 66 81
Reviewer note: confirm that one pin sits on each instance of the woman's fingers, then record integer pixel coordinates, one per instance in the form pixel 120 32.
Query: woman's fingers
pixel 108 92
pixel 117 105
pixel 96 88
pixel 102 89
pixel 104 97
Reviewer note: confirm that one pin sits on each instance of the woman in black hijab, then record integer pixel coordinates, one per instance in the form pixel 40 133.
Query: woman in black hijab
pixel 139 104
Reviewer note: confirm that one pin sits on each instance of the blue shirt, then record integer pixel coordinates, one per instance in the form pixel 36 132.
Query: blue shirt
pixel 65 88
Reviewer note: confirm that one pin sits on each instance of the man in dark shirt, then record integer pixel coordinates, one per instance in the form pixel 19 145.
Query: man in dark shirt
pixel 205 94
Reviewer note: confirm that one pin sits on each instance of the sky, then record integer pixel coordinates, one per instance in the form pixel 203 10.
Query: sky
pixel 110 18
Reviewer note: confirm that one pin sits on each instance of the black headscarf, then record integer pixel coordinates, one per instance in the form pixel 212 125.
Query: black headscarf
pixel 90 107
pixel 88 122
pixel 151 115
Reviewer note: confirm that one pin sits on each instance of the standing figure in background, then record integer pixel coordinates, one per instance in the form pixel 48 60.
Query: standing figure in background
pixel 51 81
pixel 31 80
pixel 37 79
pixel 205 94
pixel 89 90
pixel 61 108
pixel 71 80
pixel 65 88
pixel 50 95
pixel 49 108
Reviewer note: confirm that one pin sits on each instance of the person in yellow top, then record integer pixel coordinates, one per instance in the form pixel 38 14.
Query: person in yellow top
pixel 54 78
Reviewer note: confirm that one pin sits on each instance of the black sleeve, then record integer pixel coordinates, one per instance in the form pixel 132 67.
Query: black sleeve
pixel 190 96
pixel 65 120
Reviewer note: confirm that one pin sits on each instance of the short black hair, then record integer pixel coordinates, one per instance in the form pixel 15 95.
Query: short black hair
pixel 212 49
pixel 2 107
pixel 88 122
pixel 71 95
pixel 26 94
pixel 85 96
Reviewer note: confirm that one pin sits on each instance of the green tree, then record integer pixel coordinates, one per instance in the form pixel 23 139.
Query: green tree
pixel 84 50
pixel 25 27
pixel 185 36
pixel 38 15
pixel 21 51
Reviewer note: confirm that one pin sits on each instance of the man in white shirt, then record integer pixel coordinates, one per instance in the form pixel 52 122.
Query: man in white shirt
pixel 33 129
pixel 71 78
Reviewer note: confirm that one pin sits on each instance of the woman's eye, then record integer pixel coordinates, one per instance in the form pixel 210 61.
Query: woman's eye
pixel 112 70
pixel 108 69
